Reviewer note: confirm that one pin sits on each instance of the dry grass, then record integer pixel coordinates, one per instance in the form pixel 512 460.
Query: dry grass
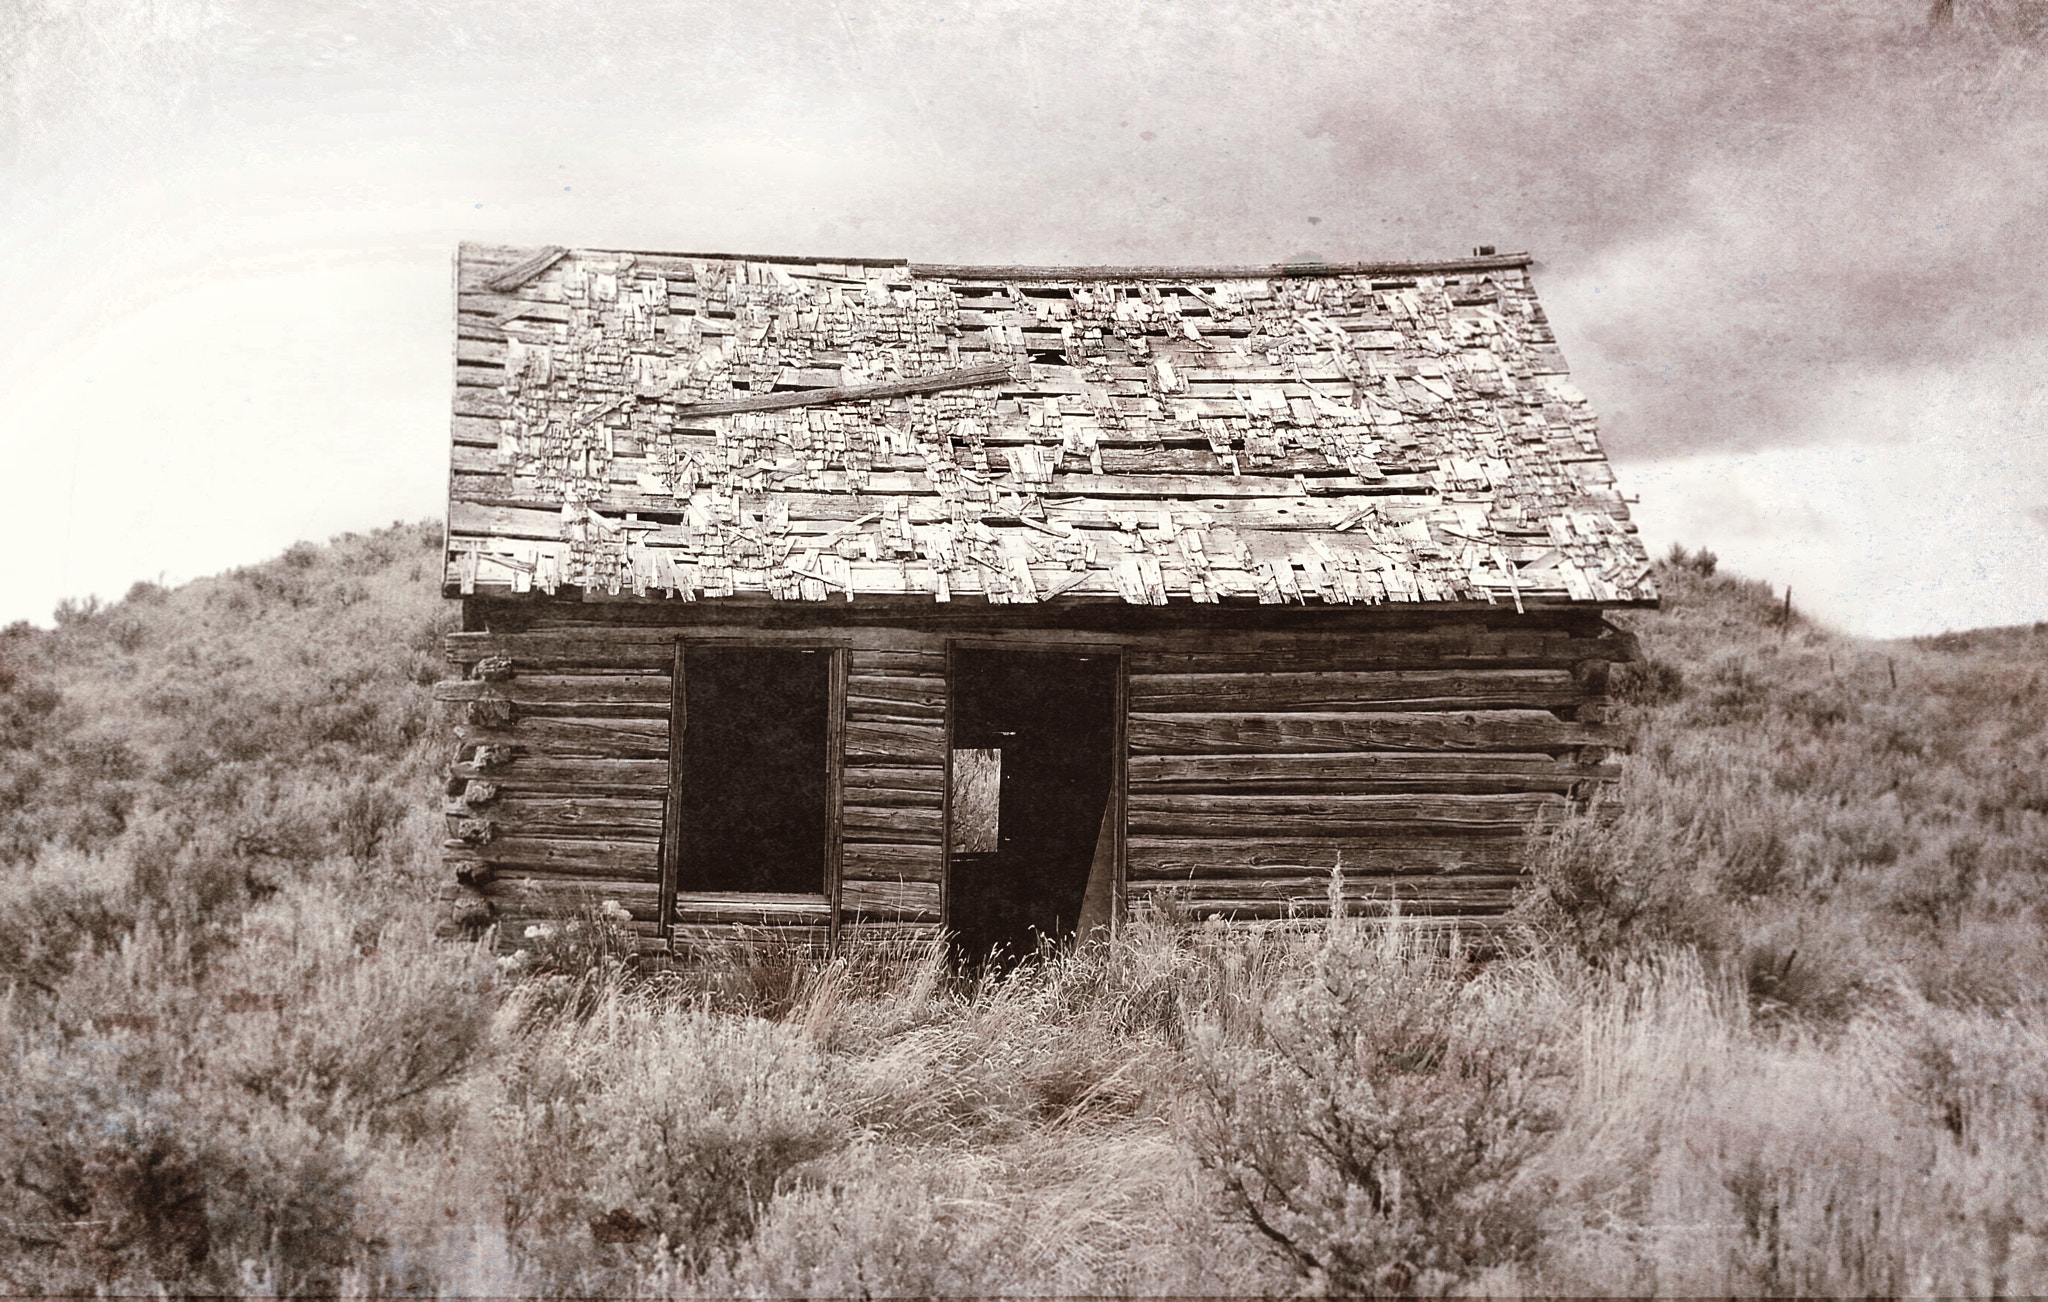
pixel 1784 1027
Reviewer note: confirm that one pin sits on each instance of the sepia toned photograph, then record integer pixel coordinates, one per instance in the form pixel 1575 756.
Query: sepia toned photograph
pixel 897 648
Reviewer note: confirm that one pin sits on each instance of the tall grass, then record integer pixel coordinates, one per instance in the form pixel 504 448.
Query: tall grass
pixel 1779 1026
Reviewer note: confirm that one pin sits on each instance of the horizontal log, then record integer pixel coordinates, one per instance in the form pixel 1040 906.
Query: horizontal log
pixel 1488 730
pixel 586 777
pixel 893 823
pixel 916 780
pixel 759 909
pixel 893 798
pixel 886 939
pixel 1345 815
pixel 875 664
pixel 1364 772
pixel 561 688
pixel 925 692
pixel 554 652
pixel 1448 897
pixel 901 901
pixel 1314 887
pixel 721 942
pixel 904 744
pixel 875 861
pixel 1168 858
pixel 595 815
pixel 1390 689
pixel 611 859
pixel 570 898
pixel 577 738
pixel 595 696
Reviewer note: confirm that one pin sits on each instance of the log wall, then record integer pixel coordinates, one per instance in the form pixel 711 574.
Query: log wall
pixel 1419 755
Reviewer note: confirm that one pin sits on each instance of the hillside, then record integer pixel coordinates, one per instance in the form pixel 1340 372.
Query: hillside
pixel 279 714
pixel 1780 1026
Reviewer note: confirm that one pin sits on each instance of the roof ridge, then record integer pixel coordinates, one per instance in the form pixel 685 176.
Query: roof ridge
pixel 1297 269
pixel 1279 270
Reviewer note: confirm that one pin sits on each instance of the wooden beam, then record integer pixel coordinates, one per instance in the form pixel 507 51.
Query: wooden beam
pixel 971 377
pixel 1480 730
pixel 519 273
pixel 1223 816
pixel 1355 690
pixel 1388 851
pixel 1203 275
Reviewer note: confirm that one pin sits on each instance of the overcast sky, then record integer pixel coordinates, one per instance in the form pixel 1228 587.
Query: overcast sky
pixel 1793 252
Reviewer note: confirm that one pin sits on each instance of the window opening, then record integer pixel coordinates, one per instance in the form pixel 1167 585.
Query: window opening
pixel 753 778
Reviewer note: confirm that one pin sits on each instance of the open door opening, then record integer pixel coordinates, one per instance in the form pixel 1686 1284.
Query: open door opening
pixel 1031 837
pixel 753 773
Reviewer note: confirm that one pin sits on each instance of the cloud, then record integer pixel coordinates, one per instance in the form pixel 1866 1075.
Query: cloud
pixel 1748 213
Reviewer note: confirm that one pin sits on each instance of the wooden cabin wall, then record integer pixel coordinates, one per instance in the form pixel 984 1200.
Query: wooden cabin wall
pixel 1420 761
pixel 1419 751
pixel 559 788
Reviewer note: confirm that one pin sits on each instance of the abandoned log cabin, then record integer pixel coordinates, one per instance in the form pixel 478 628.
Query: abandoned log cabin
pixel 803 595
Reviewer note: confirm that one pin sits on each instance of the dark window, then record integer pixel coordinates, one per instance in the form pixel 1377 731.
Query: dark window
pixel 753 779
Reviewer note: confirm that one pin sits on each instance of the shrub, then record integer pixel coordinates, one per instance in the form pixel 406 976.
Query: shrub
pixel 649 1129
pixel 1375 1129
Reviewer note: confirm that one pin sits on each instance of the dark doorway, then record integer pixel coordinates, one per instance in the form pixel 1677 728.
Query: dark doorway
pixel 1039 727
pixel 754 771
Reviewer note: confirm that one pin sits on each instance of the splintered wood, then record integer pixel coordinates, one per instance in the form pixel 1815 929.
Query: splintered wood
pixel 692 427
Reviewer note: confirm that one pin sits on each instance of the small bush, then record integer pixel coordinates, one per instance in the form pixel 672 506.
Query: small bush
pixel 1375 1129
pixel 652 1129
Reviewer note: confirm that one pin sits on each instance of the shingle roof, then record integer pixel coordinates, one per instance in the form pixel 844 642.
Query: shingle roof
pixel 705 425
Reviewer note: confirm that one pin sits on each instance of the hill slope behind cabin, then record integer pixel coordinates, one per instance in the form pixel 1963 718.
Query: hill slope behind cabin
pixel 1817 809
pixel 1780 1026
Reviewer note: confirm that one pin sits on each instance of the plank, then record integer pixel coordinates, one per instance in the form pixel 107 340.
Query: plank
pixel 897 901
pixel 1339 815
pixel 561 738
pixel 1485 730
pixel 874 861
pixel 502 491
pixel 914 745
pixel 471 401
pixel 519 273
pixel 1165 857
pixel 615 859
pixel 1344 690
pixel 971 377
pixel 1253 483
